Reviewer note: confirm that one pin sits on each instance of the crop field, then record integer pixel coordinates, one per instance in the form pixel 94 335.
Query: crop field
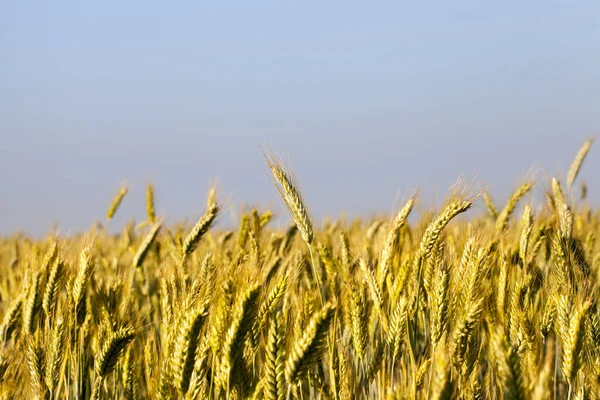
pixel 470 300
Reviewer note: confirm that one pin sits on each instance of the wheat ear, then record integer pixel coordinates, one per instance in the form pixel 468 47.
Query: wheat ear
pixel 150 213
pixel 201 227
pixel 307 349
pixel 185 347
pixel 504 216
pixel 115 345
pixel 116 202
pixel 577 162
pixel 274 372
pixel 142 251
pixel 287 185
pixel 391 241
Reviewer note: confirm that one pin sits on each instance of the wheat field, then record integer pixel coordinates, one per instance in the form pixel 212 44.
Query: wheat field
pixel 472 300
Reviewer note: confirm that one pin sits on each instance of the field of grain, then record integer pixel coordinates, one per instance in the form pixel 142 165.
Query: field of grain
pixel 426 304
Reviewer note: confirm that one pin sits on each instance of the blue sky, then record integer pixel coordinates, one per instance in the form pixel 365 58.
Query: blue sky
pixel 370 101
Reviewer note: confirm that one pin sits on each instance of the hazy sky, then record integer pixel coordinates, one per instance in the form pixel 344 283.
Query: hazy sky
pixel 371 100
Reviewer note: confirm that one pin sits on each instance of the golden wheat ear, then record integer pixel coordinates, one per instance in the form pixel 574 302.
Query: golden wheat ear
pixel 387 252
pixel 274 387
pixel 578 161
pixel 504 216
pixel 112 350
pixel 201 227
pixel 116 202
pixel 150 212
pixel 287 185
pixel 308 349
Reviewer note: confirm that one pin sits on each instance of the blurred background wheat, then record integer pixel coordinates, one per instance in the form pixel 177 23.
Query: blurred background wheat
pixel 427 304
